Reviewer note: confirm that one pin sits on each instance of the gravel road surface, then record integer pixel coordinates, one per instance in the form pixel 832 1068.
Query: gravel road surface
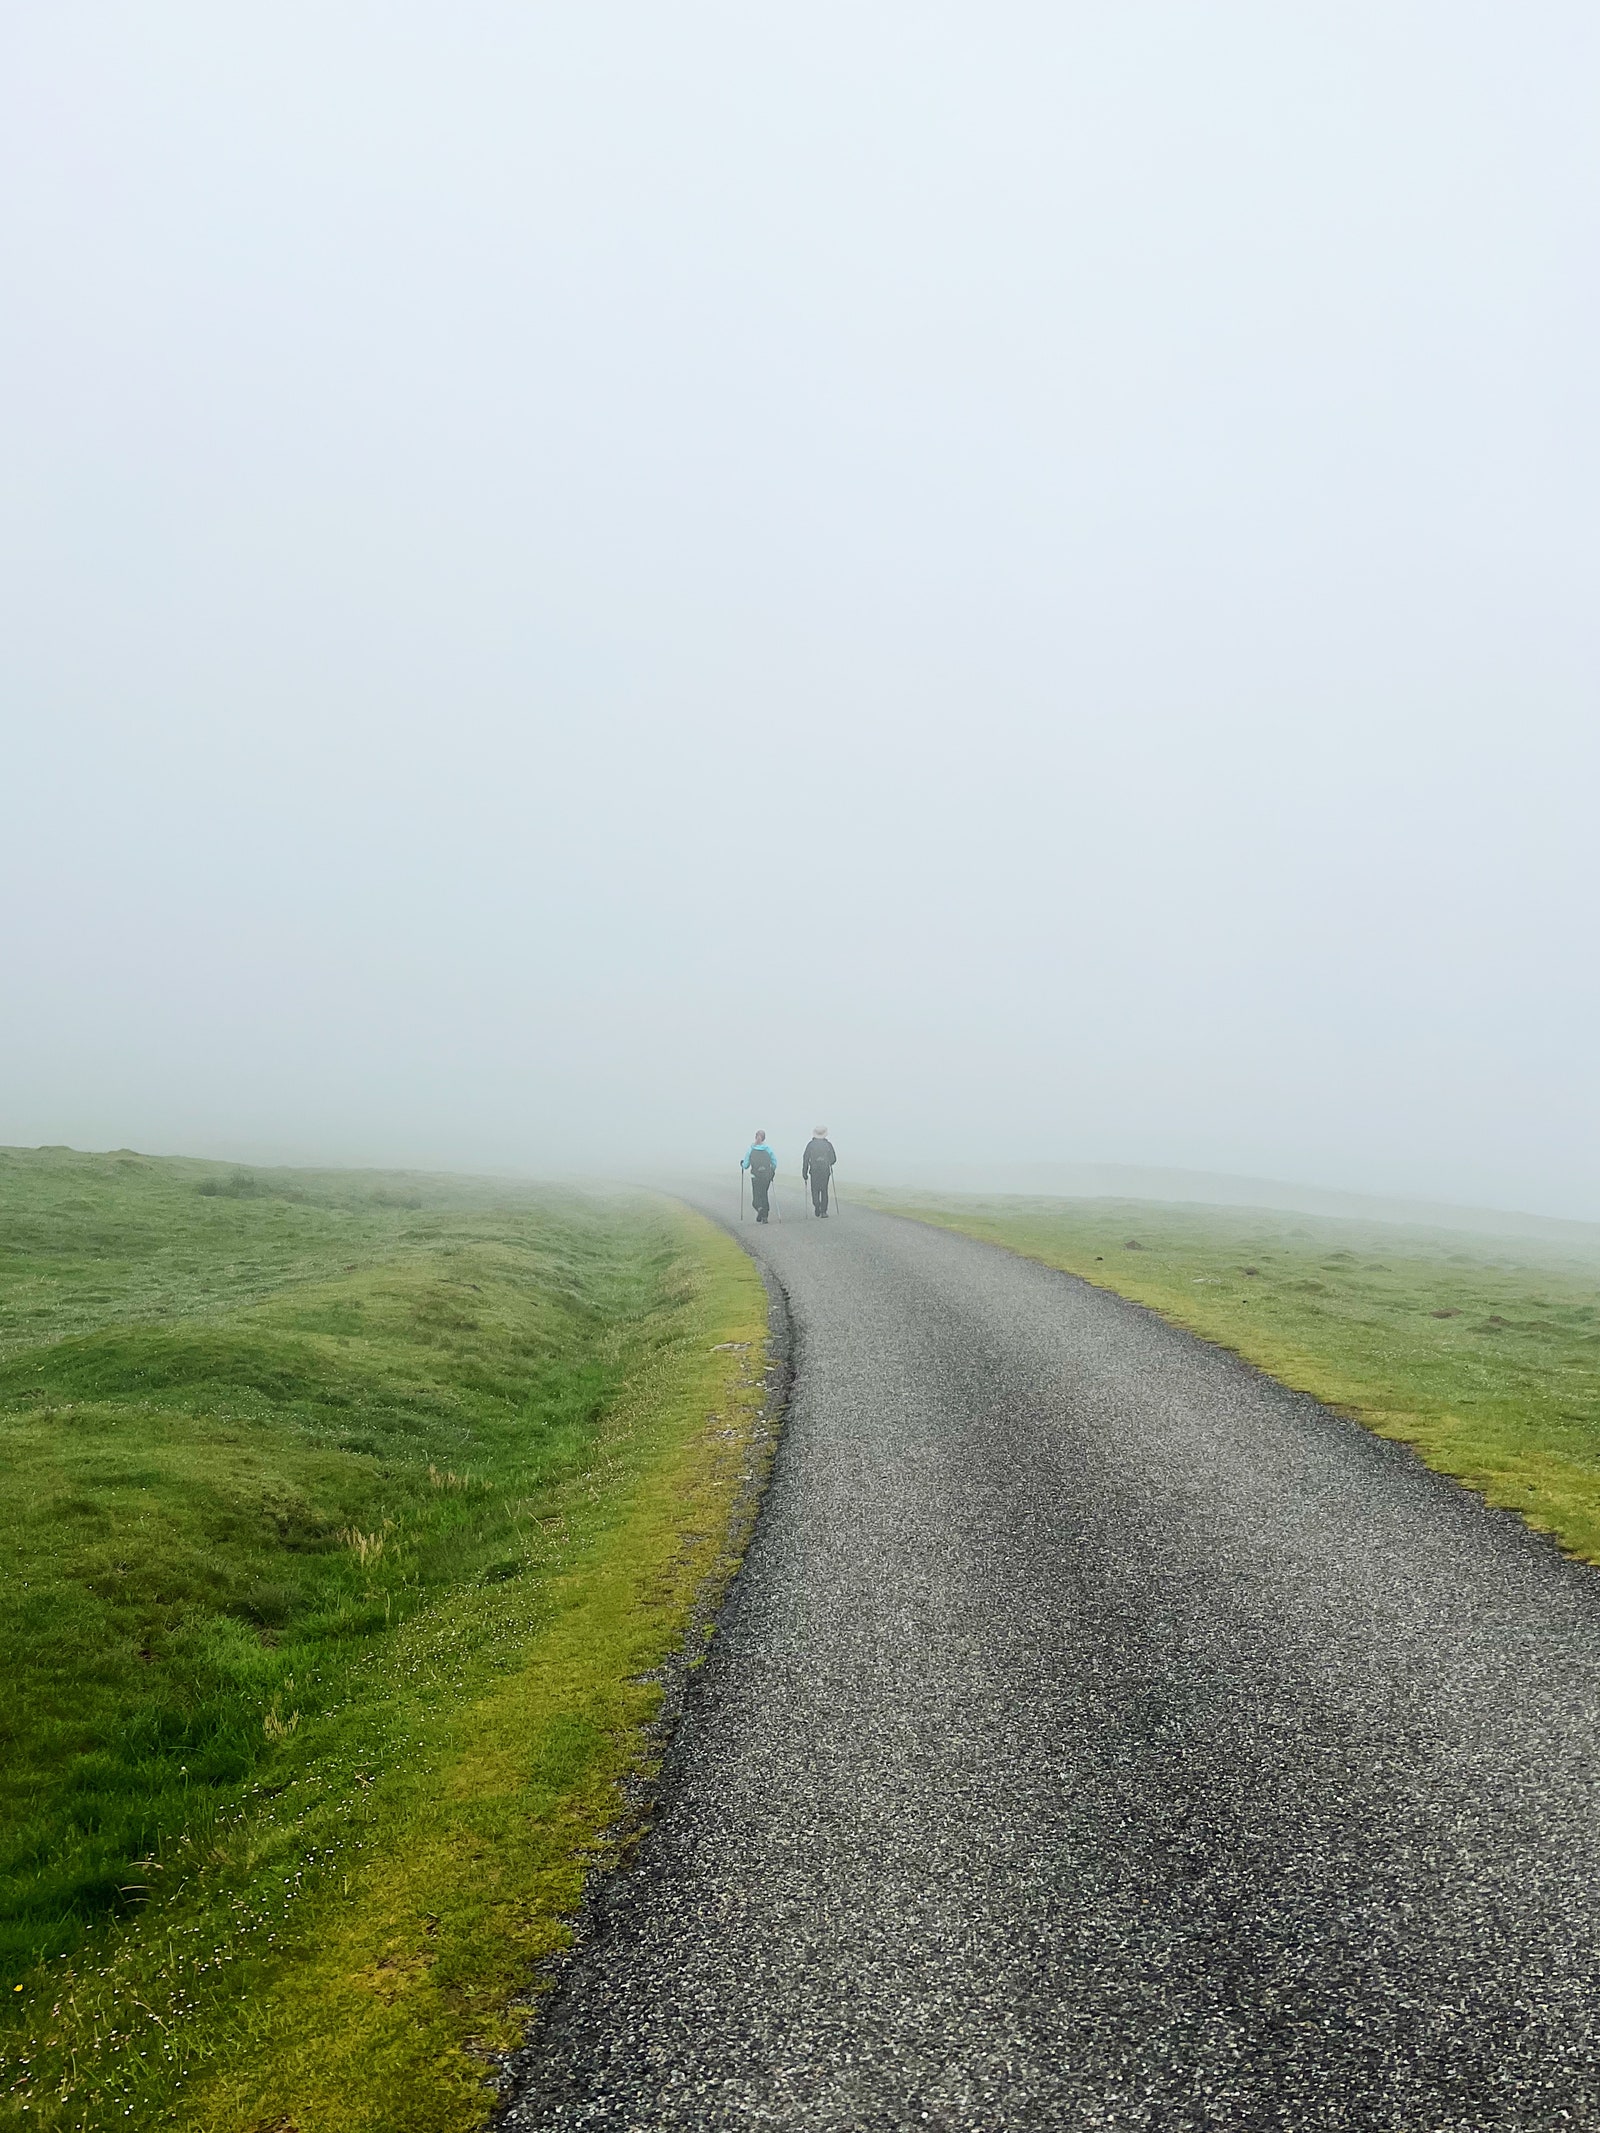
pixel 1098 1735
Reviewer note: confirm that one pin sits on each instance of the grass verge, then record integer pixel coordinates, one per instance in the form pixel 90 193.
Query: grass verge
pixel 343 1525
pixel 1482 1353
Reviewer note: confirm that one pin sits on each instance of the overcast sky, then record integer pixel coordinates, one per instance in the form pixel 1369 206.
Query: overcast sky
pixel 1016 579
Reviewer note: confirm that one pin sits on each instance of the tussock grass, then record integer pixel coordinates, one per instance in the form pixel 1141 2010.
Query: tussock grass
pixel 1483 1353
pixel 338 1538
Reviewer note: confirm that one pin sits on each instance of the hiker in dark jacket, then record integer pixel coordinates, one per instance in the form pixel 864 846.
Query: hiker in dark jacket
pixel 762 1165
pixel 817 1165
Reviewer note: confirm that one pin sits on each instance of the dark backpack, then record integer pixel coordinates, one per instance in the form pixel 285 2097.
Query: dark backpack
pixel 762 1164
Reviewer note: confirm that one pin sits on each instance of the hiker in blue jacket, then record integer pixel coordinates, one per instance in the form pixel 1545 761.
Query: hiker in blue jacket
pixel 762 1165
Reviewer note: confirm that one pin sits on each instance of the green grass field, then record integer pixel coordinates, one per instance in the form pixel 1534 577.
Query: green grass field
pixel 343 1522
pixel 1483 1353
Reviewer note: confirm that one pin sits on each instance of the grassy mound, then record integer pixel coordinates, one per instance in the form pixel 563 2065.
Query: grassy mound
pixel 340 1521
pixel 1483 1353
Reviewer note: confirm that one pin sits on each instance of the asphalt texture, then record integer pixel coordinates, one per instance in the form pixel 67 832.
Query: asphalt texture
pixel 1098 1735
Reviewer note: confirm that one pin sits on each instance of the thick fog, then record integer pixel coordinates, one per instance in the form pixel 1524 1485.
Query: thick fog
pixel 1016 580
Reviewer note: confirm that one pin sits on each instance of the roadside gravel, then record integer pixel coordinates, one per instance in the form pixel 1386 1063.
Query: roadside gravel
pixel 1098 1735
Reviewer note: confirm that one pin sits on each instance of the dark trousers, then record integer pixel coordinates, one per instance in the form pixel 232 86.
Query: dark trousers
pixel 760 1186
pixel 819 1189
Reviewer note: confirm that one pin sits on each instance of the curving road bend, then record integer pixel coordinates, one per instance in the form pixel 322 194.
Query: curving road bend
pixel 1099 1735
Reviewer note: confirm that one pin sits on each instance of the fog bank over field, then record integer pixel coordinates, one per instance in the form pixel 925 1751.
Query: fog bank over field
pixel 1016 581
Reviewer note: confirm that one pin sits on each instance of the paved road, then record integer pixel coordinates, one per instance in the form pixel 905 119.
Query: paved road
pixel 1099 1736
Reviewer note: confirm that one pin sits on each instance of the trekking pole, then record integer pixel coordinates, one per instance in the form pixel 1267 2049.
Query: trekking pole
pixel 741 1192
